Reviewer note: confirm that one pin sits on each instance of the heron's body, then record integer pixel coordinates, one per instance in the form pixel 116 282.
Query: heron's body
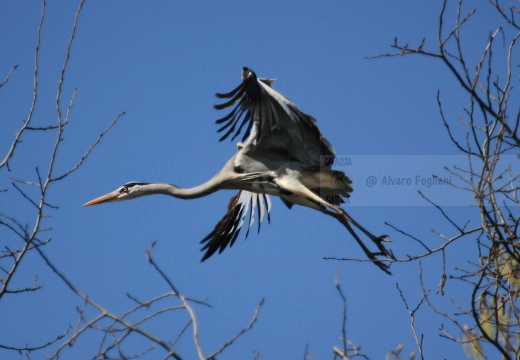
pixel 285 155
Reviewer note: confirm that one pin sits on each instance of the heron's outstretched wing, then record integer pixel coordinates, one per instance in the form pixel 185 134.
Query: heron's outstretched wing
pixel 272 122
pixel 228 228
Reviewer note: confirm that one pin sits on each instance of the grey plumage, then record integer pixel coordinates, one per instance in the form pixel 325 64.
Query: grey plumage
pixel 284 154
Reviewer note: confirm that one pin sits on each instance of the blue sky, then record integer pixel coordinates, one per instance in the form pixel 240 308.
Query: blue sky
pixel 162 63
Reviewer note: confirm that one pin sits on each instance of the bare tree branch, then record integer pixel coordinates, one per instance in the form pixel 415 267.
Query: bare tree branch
pixel 16 140
pixel 6 80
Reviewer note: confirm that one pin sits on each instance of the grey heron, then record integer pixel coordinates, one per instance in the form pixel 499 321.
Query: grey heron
pixel 284 155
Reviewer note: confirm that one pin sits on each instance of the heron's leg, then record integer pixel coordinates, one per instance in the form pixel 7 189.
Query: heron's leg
pixel 299 189
pixel 378 240
pixel 370 254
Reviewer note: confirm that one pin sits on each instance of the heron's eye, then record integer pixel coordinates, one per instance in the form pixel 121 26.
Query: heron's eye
pixel 124 190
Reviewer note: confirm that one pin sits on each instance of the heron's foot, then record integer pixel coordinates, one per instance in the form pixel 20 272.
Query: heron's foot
pixel 379 243
pixel 383 238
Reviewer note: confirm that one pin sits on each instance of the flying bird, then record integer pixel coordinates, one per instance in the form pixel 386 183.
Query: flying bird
pixel 282 153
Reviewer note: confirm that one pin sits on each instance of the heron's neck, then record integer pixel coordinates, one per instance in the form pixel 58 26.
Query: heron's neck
pixel 191 193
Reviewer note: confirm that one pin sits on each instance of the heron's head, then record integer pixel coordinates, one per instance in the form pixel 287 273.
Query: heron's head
pixel 128 191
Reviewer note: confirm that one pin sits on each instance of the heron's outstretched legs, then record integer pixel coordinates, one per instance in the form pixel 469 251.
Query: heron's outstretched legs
pixel 370 254
pixel 378 240
pixel 322 205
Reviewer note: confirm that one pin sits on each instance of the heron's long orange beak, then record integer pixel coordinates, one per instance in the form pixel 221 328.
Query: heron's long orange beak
pixel 111 196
